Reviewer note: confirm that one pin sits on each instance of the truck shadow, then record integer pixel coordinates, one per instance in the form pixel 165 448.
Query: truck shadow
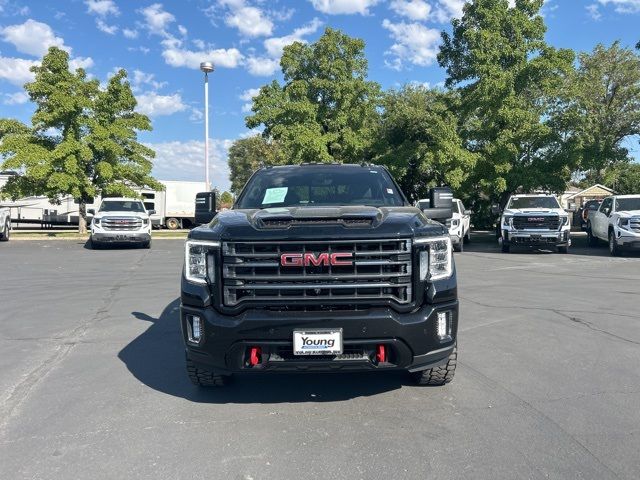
pixel 156 358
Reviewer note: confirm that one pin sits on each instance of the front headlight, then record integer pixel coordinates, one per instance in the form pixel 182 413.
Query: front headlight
pixel 145 221
pixel 455 222
pixel 195 261
pixel 507 221
pixel 436 263
pixel 96 221
pixel 623 222
pixel 564 221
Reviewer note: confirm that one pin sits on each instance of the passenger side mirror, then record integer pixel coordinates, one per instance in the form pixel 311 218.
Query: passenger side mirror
pixel 205 207
pixel 91 211
pixel 495 209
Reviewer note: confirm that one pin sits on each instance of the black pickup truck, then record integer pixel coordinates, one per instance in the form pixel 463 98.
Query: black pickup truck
pixel 320 268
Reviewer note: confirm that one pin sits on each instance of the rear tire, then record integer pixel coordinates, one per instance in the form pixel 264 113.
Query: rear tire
pixel 438 375
pixel 205 378
pixel 172 223
pixel 591 240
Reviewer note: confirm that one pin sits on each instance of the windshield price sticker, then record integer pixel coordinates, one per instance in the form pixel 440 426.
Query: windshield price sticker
pixel 275 195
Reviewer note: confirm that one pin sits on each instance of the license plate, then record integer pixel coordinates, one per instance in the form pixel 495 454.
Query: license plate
pixel 317 342
pixel 122 237
pixel 536 238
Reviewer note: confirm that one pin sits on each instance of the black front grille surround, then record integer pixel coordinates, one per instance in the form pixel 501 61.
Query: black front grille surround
pixel 536 222
pixel 252 273
pixel 634 224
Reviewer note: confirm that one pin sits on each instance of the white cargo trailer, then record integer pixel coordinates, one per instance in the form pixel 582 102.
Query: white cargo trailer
pixel 175 206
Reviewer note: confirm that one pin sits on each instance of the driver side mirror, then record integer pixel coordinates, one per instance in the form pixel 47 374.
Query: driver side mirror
pixel 151 212
pixel 467 212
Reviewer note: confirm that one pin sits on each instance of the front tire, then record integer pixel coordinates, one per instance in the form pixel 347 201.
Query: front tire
pixel 467 238
pixel 614 250
pixel 205 378
pixel 506 248
pixel 7 233
pixel 438 375
pixel 93 245
pixel 458 247
pixel 564 249
pixel 147 245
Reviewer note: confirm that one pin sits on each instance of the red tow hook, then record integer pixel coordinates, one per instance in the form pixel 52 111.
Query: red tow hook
pixel 381 353
pixel 254 356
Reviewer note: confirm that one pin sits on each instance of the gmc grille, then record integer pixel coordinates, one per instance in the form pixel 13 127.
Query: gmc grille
pixel 536 222
pixel 121 223
pixel 634 224
pixel 381 270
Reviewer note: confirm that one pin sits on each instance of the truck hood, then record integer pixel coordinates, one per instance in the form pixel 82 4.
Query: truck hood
pixel 100 215
pixel 629 213
pixel 534 211
pixel 308 223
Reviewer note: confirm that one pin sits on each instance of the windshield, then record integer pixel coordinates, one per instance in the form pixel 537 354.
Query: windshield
pixel 121 206
pixel 319 186
pixel 626 204
pixel 533 202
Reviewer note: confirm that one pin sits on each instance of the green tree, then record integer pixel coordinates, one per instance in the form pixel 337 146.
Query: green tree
pixel 605 101
pixel 246 155
pixel 326 109
pixel 419 141
pixel 82 141
pixel 226 198
pixel 509 81
pixel 624 178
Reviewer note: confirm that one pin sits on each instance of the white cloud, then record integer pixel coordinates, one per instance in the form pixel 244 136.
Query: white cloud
pixel 103 27
pixel 33 38
pixel 102 8
pixel 17 98
pixel 130 33
pixel 247 96
pixel 155 105
pixel 185 161
pixel 221 57
pixel 80 62
pixel 249 20
pixel 414 43
pixel 274 46
pixel 16 70
pixel 414 9
pixel 262 66
pixel 593 11
pixel 448 9
pixel 343 7
pixel 623 6
pixel 140 79
pixel 157 19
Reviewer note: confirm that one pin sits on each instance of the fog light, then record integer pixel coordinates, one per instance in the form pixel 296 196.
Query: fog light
pixel 194 328
pixel 444 325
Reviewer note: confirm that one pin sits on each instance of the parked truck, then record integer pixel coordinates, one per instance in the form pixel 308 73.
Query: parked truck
pixel 320 268
pixel 534 221
pixel 121 220
pixel 616 222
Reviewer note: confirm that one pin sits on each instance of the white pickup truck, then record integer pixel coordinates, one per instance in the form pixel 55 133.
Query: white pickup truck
pixel 617 222
pixel 534 221
pixel 5 224
pixel 121 220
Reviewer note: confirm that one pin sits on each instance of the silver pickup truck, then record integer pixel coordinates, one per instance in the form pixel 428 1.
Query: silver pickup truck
pixel 121 220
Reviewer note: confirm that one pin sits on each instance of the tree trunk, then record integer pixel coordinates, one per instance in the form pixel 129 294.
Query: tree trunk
pixel 82 217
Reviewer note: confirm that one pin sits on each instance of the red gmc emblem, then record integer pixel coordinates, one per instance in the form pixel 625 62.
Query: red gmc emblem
pixel 536 219
pixel 307 259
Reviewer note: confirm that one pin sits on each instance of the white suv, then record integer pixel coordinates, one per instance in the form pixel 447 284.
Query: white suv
pixel 617 222
pixel 534 221
pixel 121 220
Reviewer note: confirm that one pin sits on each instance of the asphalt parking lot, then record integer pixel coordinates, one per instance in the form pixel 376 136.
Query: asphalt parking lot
pixel 92 382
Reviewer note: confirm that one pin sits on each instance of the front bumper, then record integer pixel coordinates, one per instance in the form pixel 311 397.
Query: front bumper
pixel 410 338
pixel 536 238
pixel 121 237
pixel 627 239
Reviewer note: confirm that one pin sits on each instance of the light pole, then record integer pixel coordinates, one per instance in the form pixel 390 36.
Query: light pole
pixel 207 68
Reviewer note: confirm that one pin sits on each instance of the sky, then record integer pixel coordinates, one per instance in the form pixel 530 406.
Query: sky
pixel 161 44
